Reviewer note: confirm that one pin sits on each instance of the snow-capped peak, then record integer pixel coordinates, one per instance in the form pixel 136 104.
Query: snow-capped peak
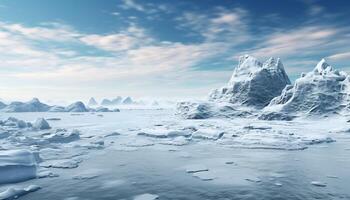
pixel 323 67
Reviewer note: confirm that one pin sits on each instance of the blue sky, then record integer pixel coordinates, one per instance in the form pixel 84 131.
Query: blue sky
pixel 69 50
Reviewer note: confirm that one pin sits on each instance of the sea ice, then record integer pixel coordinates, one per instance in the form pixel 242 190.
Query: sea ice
pixel 318 184
pixel 196 168
pixel 146 196
pixel 15 192
pixel 204 175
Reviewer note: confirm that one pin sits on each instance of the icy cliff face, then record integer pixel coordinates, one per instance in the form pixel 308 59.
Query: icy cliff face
pixel 321 91
pixel 253 83
pixel 31 106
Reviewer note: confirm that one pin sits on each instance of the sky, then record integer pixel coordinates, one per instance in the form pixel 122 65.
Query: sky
pixel 72 50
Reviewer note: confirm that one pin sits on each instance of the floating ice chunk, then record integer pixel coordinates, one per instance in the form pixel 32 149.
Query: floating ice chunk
pixel 64 163
pixel 44 173
pixel 146 196
pixel 318 184
pixel 139 143
pixel 196 168
pixel 208 134
pixel 164 133
pixel 332 176
pixel 53 119
pixel 63 136
pixel 14 192
pixel 204 175
pixel 178 141
pixel 112 184
pixel 17 165
pixel 112 134
pixel 253 179
pixel 89 174
pixel 41 124
pixel 17 123
pixel 278 184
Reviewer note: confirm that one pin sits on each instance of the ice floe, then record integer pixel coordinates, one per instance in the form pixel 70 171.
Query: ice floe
pixel 17 165
pixel 16 192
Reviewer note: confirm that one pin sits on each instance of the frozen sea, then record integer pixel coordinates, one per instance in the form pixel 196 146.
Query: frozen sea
pixel 153 154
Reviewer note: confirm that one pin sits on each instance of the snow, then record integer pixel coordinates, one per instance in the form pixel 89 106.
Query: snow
pixel 15 192
pixel 17 165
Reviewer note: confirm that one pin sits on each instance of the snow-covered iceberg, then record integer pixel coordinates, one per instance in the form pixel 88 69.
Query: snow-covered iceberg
pixel 41 124
pixel 322 91
pixel 31 106
pixel 253 83
pixel 76 107
pixel 252 86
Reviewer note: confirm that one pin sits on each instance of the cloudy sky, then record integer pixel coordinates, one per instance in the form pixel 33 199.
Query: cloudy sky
pixel 70 50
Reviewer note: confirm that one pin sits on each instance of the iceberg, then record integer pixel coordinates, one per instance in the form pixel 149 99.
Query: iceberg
pixel 76 107
pixel 127 100
pixel 41 124
pixel 322 91
pixel 92 102
pixel 31 106
pixel 253 83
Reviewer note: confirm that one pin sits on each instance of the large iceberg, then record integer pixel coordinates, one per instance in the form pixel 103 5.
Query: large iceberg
pixel 322 91
pixel 31 106
pixel 253 83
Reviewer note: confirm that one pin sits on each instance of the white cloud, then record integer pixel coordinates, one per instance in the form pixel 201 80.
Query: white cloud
pixel 340 56
pixel 221 25
pixel 287 43
pixel 131 38
pixel 55 32
pixel 131 4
